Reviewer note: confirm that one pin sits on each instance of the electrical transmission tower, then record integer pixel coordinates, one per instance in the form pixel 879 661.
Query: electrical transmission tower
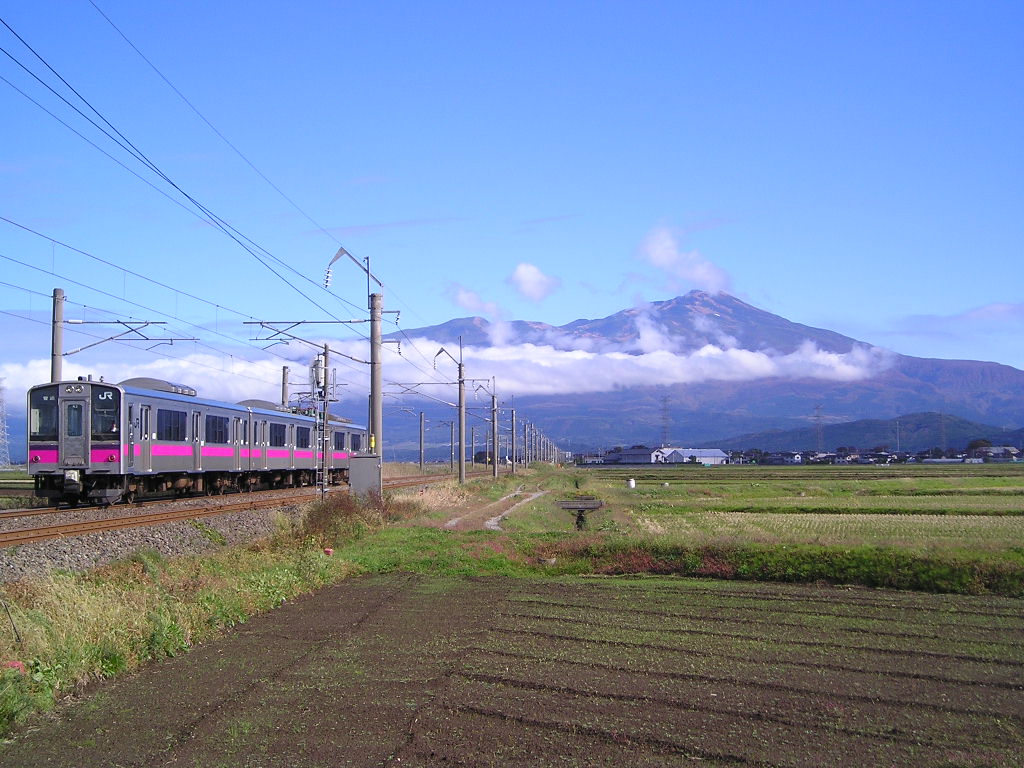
pixel 5 443
pixel 818 430
pixel 664 420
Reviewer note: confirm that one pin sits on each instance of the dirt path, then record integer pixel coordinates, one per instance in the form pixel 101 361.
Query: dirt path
pixel 403 670
pixel 490 515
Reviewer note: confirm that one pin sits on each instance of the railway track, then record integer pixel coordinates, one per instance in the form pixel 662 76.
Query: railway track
pixel 30 535
pixel 61 530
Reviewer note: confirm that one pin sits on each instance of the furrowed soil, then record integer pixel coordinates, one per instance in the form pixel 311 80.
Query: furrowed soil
pixel 402 670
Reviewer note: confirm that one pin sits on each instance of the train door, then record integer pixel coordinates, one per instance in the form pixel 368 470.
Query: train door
pixel 239 441
pixel 74 432
pixel 145 438
pixel 130 458
pixel 260 433
pixel 197 442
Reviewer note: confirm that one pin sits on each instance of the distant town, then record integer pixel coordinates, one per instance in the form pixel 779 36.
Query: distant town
pixel 978 451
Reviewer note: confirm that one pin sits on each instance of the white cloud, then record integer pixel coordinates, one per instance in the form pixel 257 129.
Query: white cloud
pixel 472 302
pixel 532 283
pixel 685 268
pixel 522 369
pixel 537 369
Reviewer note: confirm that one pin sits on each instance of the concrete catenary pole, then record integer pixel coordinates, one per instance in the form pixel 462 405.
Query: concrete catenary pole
pixel 421 442
pixel 376 377
pixel 512 442
pixel 494 433
pixel 57 338
pixel 462 418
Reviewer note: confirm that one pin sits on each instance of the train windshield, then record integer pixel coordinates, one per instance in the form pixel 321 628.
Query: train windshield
pixel 42 414
pixel 106 413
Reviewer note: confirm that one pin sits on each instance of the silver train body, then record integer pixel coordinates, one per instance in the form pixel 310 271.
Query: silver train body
pixel 102 443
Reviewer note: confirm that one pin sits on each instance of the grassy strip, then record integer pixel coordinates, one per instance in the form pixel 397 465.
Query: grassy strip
pixel 66 630
pixel 865 566
pixel 426 550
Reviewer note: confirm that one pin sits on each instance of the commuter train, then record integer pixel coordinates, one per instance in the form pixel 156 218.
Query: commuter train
pixel 101 443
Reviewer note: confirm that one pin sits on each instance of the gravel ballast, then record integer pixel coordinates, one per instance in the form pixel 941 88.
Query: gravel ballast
pixel 82 552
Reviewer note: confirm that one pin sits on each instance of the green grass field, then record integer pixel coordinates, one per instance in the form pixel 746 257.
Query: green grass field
pixel 917 507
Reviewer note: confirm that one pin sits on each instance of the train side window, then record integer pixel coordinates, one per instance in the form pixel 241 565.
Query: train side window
pixel 277 435
pixel 356 441
pixel 302 437
pixel 339 441
pixel 217 429
pixel 170 425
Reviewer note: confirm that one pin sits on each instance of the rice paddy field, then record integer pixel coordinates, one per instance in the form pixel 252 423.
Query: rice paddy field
pixel 923 508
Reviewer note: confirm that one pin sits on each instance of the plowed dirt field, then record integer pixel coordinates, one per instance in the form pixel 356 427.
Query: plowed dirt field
pixel 404 670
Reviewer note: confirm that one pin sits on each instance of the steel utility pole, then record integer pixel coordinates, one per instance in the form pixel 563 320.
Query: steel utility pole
pixel 461 409
pixel 325 416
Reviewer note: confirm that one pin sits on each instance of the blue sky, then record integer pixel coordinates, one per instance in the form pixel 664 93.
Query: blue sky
pixel 854 166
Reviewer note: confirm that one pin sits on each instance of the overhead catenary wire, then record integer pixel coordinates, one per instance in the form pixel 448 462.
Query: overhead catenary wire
pixel 242 155
pixel 255 169
pixel 262 255
pixel 136 304
pixel 207 214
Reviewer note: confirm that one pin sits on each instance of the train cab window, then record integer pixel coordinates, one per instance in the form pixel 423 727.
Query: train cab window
pixel 217 429
pixel 42 414
pixel 106 413
pixel 277 435
pixel 170 425
pixel 73 426
pixel 302 437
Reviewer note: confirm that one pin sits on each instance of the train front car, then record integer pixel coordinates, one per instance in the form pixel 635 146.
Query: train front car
pixel 76 442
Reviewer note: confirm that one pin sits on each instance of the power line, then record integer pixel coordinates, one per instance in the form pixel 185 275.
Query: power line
pixel 236 150
pixel 207 214
pixel 124 270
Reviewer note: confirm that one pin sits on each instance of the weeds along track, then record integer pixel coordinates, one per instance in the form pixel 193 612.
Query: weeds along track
pixel 84 520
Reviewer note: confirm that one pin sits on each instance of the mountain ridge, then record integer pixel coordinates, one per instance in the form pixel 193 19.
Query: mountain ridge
pixel 697 412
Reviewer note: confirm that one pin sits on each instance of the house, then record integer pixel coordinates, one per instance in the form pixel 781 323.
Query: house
pixel 706 456
pixel 667 455
pixel 998 453
pixel 783 457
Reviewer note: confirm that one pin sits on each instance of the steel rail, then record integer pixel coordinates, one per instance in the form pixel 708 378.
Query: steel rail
pixel 21 536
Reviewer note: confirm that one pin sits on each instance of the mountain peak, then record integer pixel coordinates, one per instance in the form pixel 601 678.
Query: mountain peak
pixel 684 323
